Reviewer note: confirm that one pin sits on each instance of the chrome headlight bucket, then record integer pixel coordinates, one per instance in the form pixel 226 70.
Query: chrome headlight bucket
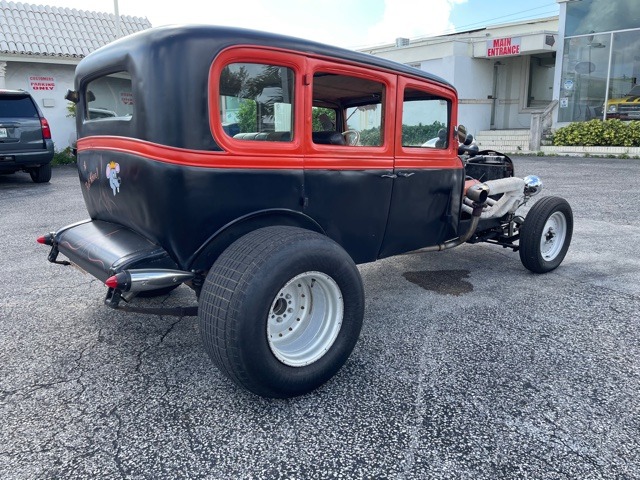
pixel 532 185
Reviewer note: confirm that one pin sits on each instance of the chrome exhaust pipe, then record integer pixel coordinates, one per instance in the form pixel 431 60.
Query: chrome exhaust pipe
pixel 147 279
pixel 478 193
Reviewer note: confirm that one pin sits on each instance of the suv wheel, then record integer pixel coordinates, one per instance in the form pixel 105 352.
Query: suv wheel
pixel 281 310
pixel 41 174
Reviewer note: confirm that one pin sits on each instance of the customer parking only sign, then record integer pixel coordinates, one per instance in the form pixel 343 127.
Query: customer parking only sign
pixel 41 83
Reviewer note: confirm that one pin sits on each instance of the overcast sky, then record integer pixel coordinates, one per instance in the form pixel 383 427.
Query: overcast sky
pixel 347 23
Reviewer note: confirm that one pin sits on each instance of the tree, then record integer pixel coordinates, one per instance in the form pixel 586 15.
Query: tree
pixel 247 116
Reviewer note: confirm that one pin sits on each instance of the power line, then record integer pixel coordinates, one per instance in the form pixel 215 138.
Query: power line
pixel 462 28
pixel 445 33
pixel 489 20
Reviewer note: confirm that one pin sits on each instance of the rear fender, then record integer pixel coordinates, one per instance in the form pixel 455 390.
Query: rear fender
pixel 219 241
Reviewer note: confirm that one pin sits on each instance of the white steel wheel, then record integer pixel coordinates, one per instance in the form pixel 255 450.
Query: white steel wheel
pixel 546 234
pixel 281 310
pixel 553 236
pixel 305 319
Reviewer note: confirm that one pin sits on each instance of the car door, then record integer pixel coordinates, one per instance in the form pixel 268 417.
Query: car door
pixel 347 187
pixel 429 175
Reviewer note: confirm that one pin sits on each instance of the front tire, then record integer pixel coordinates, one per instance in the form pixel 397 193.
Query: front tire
pixel 281 310
pixel 546 234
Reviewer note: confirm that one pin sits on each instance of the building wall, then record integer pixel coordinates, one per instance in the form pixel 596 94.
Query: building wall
pixel 51 102
pixel 462 60
pixel 474 85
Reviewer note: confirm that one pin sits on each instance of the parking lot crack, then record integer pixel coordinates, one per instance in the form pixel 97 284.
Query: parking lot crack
pixel 421 411
pixel 169 330
pixel 117 441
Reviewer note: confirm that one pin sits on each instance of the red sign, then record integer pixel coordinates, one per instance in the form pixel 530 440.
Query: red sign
pixel 500 47
pixel 41 83
pixel 127 98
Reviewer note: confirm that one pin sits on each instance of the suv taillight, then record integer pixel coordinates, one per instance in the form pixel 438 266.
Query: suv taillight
pixel 46 131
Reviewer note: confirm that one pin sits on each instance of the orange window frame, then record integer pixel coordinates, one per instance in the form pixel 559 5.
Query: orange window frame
pixel 417 157
pixel 266 56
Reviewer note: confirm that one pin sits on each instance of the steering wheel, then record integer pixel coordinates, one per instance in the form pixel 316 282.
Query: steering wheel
pixel 351 137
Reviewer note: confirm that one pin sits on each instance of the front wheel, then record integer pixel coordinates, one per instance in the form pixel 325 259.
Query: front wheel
pixel 281 310
pixel 545 234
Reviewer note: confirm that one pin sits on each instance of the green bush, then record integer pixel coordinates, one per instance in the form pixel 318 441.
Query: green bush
pixel 416 135
pixel 412 135
pixel 370 137
pixel 63 157
pixel 610 133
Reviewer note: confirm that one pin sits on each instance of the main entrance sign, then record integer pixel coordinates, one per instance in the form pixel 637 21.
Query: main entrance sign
pixel 501 47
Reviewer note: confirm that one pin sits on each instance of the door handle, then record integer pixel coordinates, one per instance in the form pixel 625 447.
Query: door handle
pixel 389 175
pixel 405 174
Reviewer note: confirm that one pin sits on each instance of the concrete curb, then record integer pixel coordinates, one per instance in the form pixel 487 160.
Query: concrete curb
pixel 565 151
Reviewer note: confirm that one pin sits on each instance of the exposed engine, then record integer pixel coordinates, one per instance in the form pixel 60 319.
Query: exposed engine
pixel 495 172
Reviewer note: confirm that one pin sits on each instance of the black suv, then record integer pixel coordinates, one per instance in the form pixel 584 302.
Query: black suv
pixel 25 136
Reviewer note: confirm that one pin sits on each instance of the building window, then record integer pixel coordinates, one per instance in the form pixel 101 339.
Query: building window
pixel 624 90
pixel 594 16
pixel 583 83
pixel 256 101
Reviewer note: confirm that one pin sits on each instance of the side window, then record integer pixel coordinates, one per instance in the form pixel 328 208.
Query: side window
pixel 348 110
pixel 425 118
pixel 109 97
pixel 256 102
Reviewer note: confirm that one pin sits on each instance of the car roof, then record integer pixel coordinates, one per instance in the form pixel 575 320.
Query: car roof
pixel 4 91
pixel 174 63
pixel 160 39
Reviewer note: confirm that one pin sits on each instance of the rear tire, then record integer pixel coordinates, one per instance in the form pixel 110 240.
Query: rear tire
pixel 281 310
pixel 41 174
pixel 546 234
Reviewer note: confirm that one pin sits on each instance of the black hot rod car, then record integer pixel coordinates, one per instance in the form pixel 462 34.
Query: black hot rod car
pixel 259 170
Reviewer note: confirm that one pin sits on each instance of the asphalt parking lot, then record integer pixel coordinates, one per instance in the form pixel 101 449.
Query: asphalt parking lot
pixel 478 370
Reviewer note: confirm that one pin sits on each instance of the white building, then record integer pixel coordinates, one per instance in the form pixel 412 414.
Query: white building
pixel 504 74
pixel 40 47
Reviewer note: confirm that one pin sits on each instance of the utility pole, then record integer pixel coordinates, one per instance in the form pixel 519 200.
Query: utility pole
pixel 117 12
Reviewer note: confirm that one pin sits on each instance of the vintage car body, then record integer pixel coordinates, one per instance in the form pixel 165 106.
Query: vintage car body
pixel 215 164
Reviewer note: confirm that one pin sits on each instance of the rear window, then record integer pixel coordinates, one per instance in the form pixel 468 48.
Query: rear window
pixel 17 107
pixel 256 102
pixel 109 97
